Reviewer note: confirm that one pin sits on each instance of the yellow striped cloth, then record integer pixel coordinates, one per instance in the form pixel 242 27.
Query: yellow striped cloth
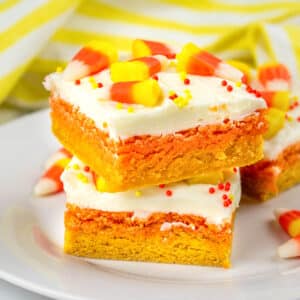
pixel 38 35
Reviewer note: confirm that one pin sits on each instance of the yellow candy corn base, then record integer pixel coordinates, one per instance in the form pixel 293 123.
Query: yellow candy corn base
pixel 152 160
pixel 108 235
pixel 262 183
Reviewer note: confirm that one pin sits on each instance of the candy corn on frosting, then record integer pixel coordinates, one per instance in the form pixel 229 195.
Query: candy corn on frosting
pixel 189 222
pixel 280 167
pixel 155 117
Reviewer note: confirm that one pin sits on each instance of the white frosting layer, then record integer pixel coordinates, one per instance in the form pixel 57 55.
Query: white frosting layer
pixel 192 199
pixel 288 135
pixel 166 118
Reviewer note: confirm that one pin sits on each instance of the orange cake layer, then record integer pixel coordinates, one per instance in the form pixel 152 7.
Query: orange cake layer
pixel 162 237
pixel 267 178
pixel 148 160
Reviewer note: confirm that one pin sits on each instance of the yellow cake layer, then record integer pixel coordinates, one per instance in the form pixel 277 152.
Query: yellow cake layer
pixel 97 234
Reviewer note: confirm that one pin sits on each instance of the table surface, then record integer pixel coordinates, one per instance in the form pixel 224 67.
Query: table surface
pixel 9 291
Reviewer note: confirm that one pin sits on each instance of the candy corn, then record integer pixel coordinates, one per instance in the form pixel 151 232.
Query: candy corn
pixel 289 220
pixel 141 48
pixel 137 69
pixel 274 77
pixel 60 154
pixel 193 60
pixel 92 58
pixel 290 249
pixel 276 119
pixel 145 92
pixel 50 182
pixel 277 99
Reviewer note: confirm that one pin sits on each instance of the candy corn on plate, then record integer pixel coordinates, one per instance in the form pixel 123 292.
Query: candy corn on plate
pixel 32 235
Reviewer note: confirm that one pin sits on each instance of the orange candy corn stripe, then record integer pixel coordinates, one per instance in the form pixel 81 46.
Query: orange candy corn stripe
pixel 274 76
pixel 92 58
pixel 50 182
pixel 137 69
pixel 146 92
pixel 289 221
pixel 141 48
pixel 290 249
pixel 193 60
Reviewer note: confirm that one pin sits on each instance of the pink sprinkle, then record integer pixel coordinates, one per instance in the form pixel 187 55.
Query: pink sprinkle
pixel 86 169
pixel 77 81
pixel 162 185
pixel 225 197
pixel 100 85
pixel 155 77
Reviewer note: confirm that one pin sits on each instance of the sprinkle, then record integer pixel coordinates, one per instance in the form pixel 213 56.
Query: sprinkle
pixel 227 120
pixel 86 169
pixel 155 77
pixel 82 178
pixel 119 105
pixel 224 106
pixel 174 96
pixel 221 186
pixel 169 193
pixel 225 197
pixel 224 82
pixel 238 84
pixel 101 184
pixel 227 202
pixel 213 108
pixel 227 186
pixel 104 124
pixel 182 75
pixel 211 190
pixel 249 89
pixel 162 185
pixel 298 119
pixel 172 63
pixel 130 109
pixel 138 193
pixel 229 88
pixel 77 81
pixel 76 167
pixel 186 81
pixel 59 69
pixel 235 170
pixel 188 93
pixel 181 101
pixel 93 82
pixel 257 94
pixel 100 85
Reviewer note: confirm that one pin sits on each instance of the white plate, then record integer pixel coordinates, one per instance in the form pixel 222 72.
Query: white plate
pixel 31 232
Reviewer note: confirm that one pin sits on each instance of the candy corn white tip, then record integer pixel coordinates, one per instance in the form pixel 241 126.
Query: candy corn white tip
pixel 226 71
pixel 277 85
pixel 279 211
pixel 75 70
pixel 45 187
pixel 289 249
